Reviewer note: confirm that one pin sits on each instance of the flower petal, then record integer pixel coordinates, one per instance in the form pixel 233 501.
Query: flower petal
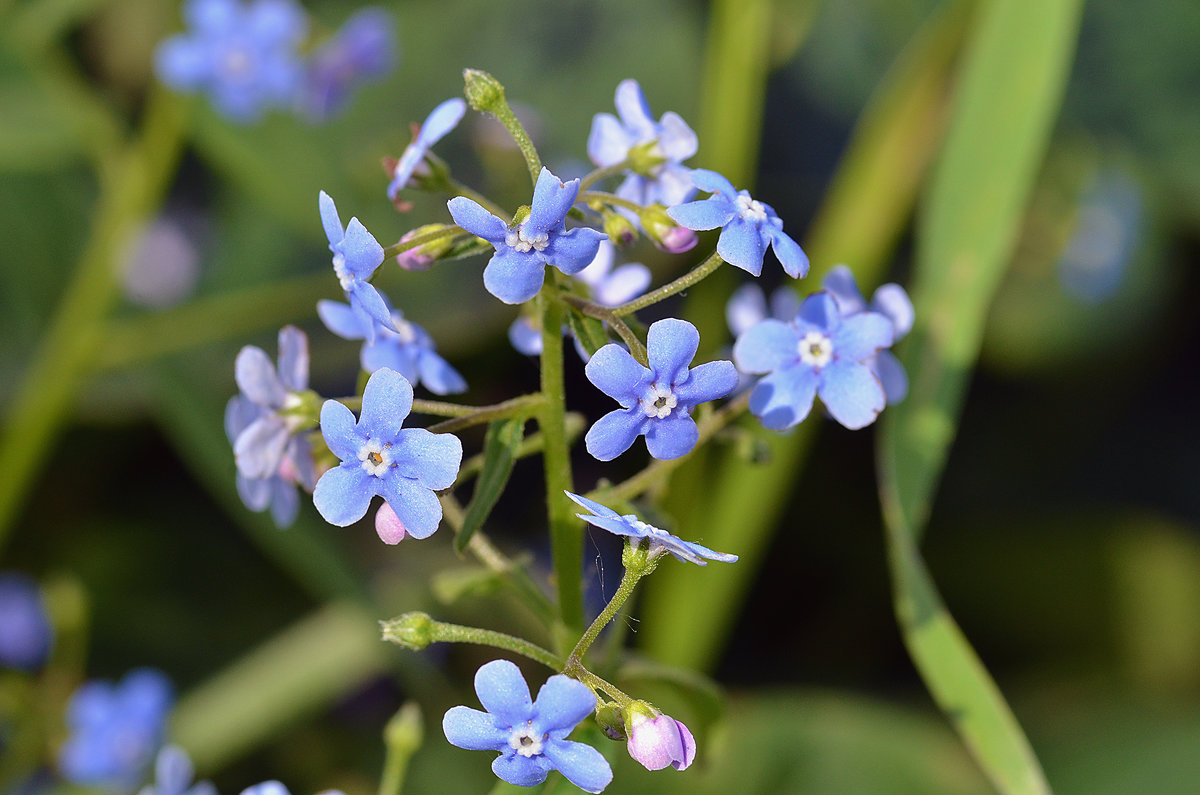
pixel 791 256
pixel 285 502
pixel 416 506
pixel 593 506
pixel 339 428
pixel 623 284
pixel 471 216
pixel 552 198
pixel 255 375
pixel 741 244
pixel 341 320
pixel 674 184
pixel 239 413
pixel 581 764
pixel 441 120
pixel 608 142
pixel 521 771
pixel 784 397
pixel 745 307
pixel 706 382
pixel 512 276
pixel 840 283
pixel 259 449
pixel 784 304
pixel 525 337
pixel 573 250
pixel 473 730
pixel 370 303
pixel 892 376
pixel 704 214
pixel 432 458
pixel 860 336
pixel 893 302
pixel 617 526
pixel 671 345
pixel 387 400
pixel 362 251
pixel 852 394
pixel 713 182
pixel 561 704
pixel 678 141
pixel 255 492
pixel 343 494
pixel 820 312
pixel 711 554
pixel 671 437
pixel 614 433
pixel 293 358
pixel 633 109
pixel 438 376
pixel 598 269
pixel 502 691
pixel 182 63
pixel 388 352
pixel 615 372
pixel 334 230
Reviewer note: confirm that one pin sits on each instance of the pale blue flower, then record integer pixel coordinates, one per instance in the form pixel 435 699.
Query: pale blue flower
pixel 25 632
pixel 891 301
pixel 656 401
pixel 244 56
pixel 634 528
pixel 276 788
pixel 531 736
pixel 747 226
pixel 173 775
pixel 363 49
pixel 405 466
pixel 356 255
pixel 515 272
pixel 441 120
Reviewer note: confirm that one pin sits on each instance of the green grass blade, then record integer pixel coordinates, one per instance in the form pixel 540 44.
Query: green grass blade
pixel 499 454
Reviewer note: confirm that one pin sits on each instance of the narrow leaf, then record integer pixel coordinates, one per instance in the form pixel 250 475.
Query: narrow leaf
pixel 588 330
pixel 499 453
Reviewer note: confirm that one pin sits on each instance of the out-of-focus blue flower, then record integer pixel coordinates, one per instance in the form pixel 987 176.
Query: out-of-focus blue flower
pixel 659 540
pixel 272 453
pixel 515 272
pixel 441 120
pixel 747 226
pixel 356 255
pixel 364 49
pixel 670 141
pixel 379 457
pixel 115 730
pixel 275 788
pixel 819 353
pixel 748 306
pixel 173 774
pixel 657 401
pixel 889 300
pixel 25 632
pixel 1108 228
pixel 408 349
pixel 243 56
pixel 531 736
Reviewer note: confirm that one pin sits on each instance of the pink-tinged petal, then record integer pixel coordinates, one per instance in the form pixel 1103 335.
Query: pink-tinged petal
pixel 713 182
pixel 671 345
pixel 255 375
pixel 293 358
pixel 660 742
pixel 391 530
pixel 709 381
pixel 615 372
pixel 338 426
pixel 432 458
pixel 852 393
pixel 512 276
pixel 334 230
pixel 471 216
pixel 840 283
pixel 387 400
pixel 614 433
pixel 417 508
pixel 766 347
pixel 741 244
pixel 581 764
pixel 561 704
pixel 343 494
pixel 703 214
pixel 860 336
pixel 502 691
pixel 784 398
pixel 473 730
pixel 671 437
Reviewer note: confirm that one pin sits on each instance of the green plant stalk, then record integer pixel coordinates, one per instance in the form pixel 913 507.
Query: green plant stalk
pixel 595 176
pixel 477 415
pixel 636 347
pixel 692 277
pixel 629 580
pixel 129 193
pixel 402 738
pixel 441 632
pixel 486 94
pixel 586 197
pixel 530 445
pixel 450 231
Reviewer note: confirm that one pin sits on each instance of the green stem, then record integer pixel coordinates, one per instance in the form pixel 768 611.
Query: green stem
pixel 566 532
pixel 694 276
pixel 416 630
pixel 614 170
pixel 486 94
pixel 402 738
pixel 608 198
pixel 596 683
pixel 466 416
pixel 449 231
pixel 603 313
pixel 530 445
pixel 629 581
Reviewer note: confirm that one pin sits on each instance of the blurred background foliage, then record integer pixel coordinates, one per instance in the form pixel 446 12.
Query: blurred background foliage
pixel 1062 536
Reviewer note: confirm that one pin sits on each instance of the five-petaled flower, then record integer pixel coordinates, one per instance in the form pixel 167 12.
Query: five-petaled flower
pixel 356 255
pixel 272 452
pixel 405 466
pixel 405 347
pixel 531 736
pixel 243 56
pixel 440 121
pixel 819 353
pixel 363 49
pixel 889 300
pixel 515 272
pixel 747 226
pixel 667 144
pixel 657 401
pixel 634 528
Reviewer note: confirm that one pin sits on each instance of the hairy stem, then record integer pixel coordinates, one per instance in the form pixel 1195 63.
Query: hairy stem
pixel 417 241
pixel 694 276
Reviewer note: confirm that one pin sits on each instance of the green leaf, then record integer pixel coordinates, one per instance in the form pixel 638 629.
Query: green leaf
pixel 588 330
pixel 499 453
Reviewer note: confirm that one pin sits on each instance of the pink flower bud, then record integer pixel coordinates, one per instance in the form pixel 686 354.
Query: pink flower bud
pixel 677 240
pixel 415 259
pixel 655 742
pixel 666 234
pixel 388 525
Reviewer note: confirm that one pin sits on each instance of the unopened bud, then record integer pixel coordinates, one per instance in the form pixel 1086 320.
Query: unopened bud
pixel 611 719
pixel 421 258
pixel 666 234
pixel 657 740
pixel 620 230
pixel 484 92
pixel 411 630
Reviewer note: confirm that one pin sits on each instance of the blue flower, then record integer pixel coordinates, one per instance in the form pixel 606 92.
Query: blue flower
pixel 441 120
pixel 356 255
pixel 747 226
pixel 173 774
pixel 25 632
pixel 634 528
pixel 409 350
pixel 275 788
pixel 655 401
pixel 670 140
pixel 243 56
pixel 818 353
pixel 268 442
pixel 515 272
pixel 363 49
pixel 530 736
pixel 891 301
pixel 379 457
pixel 115 730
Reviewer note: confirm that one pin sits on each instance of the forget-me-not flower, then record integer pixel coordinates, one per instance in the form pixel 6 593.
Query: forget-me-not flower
pixel 115 730
pixel 409 350
pixel 531 736
pixel 657 401
pixel 819 353
pixel 276 788
pixel 243 55
pixel 268 441
pixel 634 528
pixel 25 631
pixel 405 466
pixel 173 775
pixel 889 300
pixel 356 255
pixel 363 49
pixel 747 226
pixel 515 272
pixel 440 121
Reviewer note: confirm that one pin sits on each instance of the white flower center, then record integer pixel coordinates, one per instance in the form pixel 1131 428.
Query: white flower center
pixel 404 331
pixel 815 349
pixel 525 741
pixel 659 401
pixel 647 529
pixel 516 238
pixel 376 459
pixel 749 209
pixel 236 62
pixel 345 277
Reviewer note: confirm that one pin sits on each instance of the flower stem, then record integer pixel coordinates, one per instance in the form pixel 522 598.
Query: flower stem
pixel 603 313
pixel 530 445
pixel 595 682
pixel 466 416
pixel 636 567
pixel 417 630
pixel 608 198
pixel 604 173
pixel 685 281
pixel 402 738
pixel 486 94
pixel 420 240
